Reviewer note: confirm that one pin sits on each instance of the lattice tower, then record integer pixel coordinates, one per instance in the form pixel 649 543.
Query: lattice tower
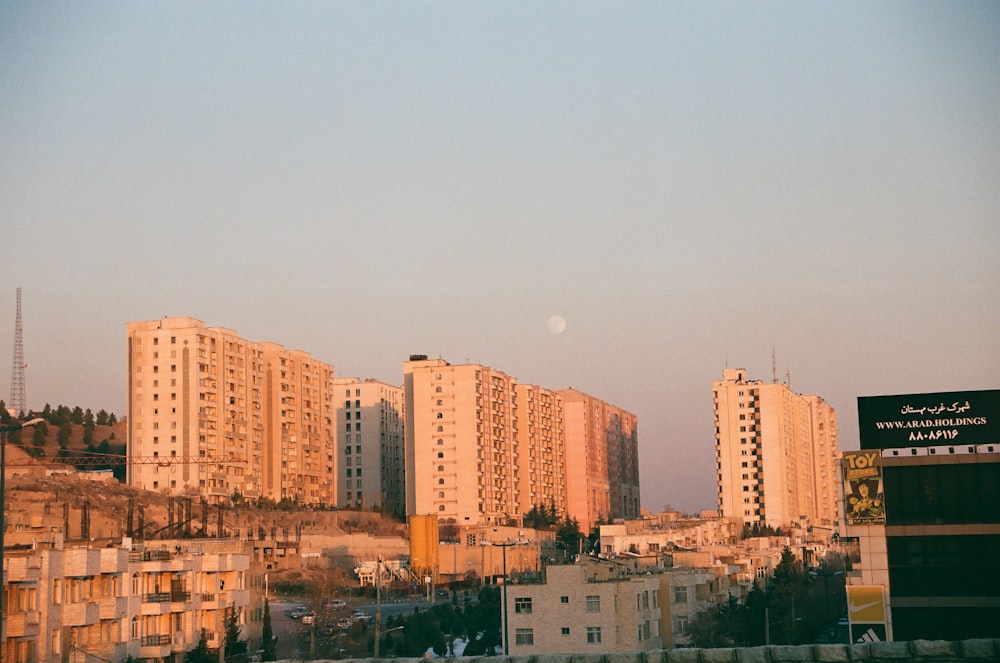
pixel 17 399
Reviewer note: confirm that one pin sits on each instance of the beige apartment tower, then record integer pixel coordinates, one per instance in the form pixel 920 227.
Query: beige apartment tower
pixel 370 445
pixel 541 448
pixel 461 459
pixel 482 449
pixel 602 467
pixel 776 453
pixel 227 416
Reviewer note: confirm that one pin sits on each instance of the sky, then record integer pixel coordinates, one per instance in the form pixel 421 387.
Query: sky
pixel 805 190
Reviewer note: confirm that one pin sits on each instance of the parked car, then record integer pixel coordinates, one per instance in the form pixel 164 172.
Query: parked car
pixel 334 604
pixel 309 618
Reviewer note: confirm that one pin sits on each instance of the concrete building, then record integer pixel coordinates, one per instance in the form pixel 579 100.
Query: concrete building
pixel 602 466
pixel 461 455
pixel 70 603
pixel 776 454
pixel 228 415
pixel 370 430
pixel 482 449
pixel 541 444
pixel 591 607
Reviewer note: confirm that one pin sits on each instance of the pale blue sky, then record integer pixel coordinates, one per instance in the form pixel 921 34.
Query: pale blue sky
pixel 688 183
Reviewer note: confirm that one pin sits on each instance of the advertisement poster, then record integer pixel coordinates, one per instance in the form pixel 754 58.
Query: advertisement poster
pixel 863 501
pixel 936 419
pixel 866 613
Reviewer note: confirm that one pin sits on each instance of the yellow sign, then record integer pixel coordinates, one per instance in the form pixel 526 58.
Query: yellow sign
pixel 865 604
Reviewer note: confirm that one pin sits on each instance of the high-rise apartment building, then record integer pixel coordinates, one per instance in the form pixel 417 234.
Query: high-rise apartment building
pixel 228 415
pixel 483 449
pixel 461 458
pixel 370 427
pixel 776 453
pixel 541 444
pixel 602 467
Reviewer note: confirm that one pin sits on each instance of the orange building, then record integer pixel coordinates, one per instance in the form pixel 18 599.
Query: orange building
pixel 228 415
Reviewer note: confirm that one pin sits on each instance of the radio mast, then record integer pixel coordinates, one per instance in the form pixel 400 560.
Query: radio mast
pixel 17 400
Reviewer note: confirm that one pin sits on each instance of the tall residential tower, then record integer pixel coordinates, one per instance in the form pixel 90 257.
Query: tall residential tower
pixel 776 453
pixel 227 415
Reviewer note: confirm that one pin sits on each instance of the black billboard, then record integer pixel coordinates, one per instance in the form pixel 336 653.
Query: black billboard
pixel 929 420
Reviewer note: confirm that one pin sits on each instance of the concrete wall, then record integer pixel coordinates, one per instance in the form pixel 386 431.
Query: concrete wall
pixel 917 651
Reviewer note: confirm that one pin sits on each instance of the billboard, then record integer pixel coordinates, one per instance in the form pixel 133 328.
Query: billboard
pixel 863 500
pixel 866 614
pixel 935 419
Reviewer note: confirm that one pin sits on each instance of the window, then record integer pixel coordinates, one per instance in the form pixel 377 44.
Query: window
pixel 524 636
pixel 593 605
pixel 564 599
pixel 594 635
pixel 565 630
pixel 522 605
pixel 680 624
pixel 680 594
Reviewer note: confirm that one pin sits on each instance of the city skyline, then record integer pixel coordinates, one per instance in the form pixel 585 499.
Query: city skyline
pixel 690 187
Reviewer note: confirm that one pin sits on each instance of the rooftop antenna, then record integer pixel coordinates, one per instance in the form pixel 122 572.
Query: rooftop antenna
pixel 17 400
pixel 774 368
pixel 788 378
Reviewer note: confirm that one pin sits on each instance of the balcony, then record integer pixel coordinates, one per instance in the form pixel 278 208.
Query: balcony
pixel 22 624
pixel 155 646
pixel 80 614
pixel 111 607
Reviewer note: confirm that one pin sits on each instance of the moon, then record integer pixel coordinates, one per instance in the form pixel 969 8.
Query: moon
pixel 556 324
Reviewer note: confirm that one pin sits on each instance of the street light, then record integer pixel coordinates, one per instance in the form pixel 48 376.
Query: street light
pixel 504 546
pixel 9 428
pixel 378 601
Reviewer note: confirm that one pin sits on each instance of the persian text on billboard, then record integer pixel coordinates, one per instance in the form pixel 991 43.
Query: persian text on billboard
pixel 917 420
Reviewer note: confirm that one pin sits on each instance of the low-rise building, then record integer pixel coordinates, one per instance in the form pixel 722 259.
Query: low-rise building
pixel 595 606
pixel 128 601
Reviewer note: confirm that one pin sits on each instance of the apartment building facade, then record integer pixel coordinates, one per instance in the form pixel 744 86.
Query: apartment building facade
pixel 70 603
pixel 541 442
pixel 483 449
pixel 370 433
pixel 227 415
pixel 602 467
pixel 776 454
pixel 584 608
pixel 461 450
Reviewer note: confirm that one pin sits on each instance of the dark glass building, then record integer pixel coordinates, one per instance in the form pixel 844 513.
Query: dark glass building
pixel 941 481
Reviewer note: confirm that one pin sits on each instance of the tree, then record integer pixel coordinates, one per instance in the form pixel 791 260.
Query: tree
pixel 62 437
pixel 541 516
pixel 40 434
pixel 200 653
pixel 270 643
pixel 236 649
pixel 102 418
pixel 569 536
